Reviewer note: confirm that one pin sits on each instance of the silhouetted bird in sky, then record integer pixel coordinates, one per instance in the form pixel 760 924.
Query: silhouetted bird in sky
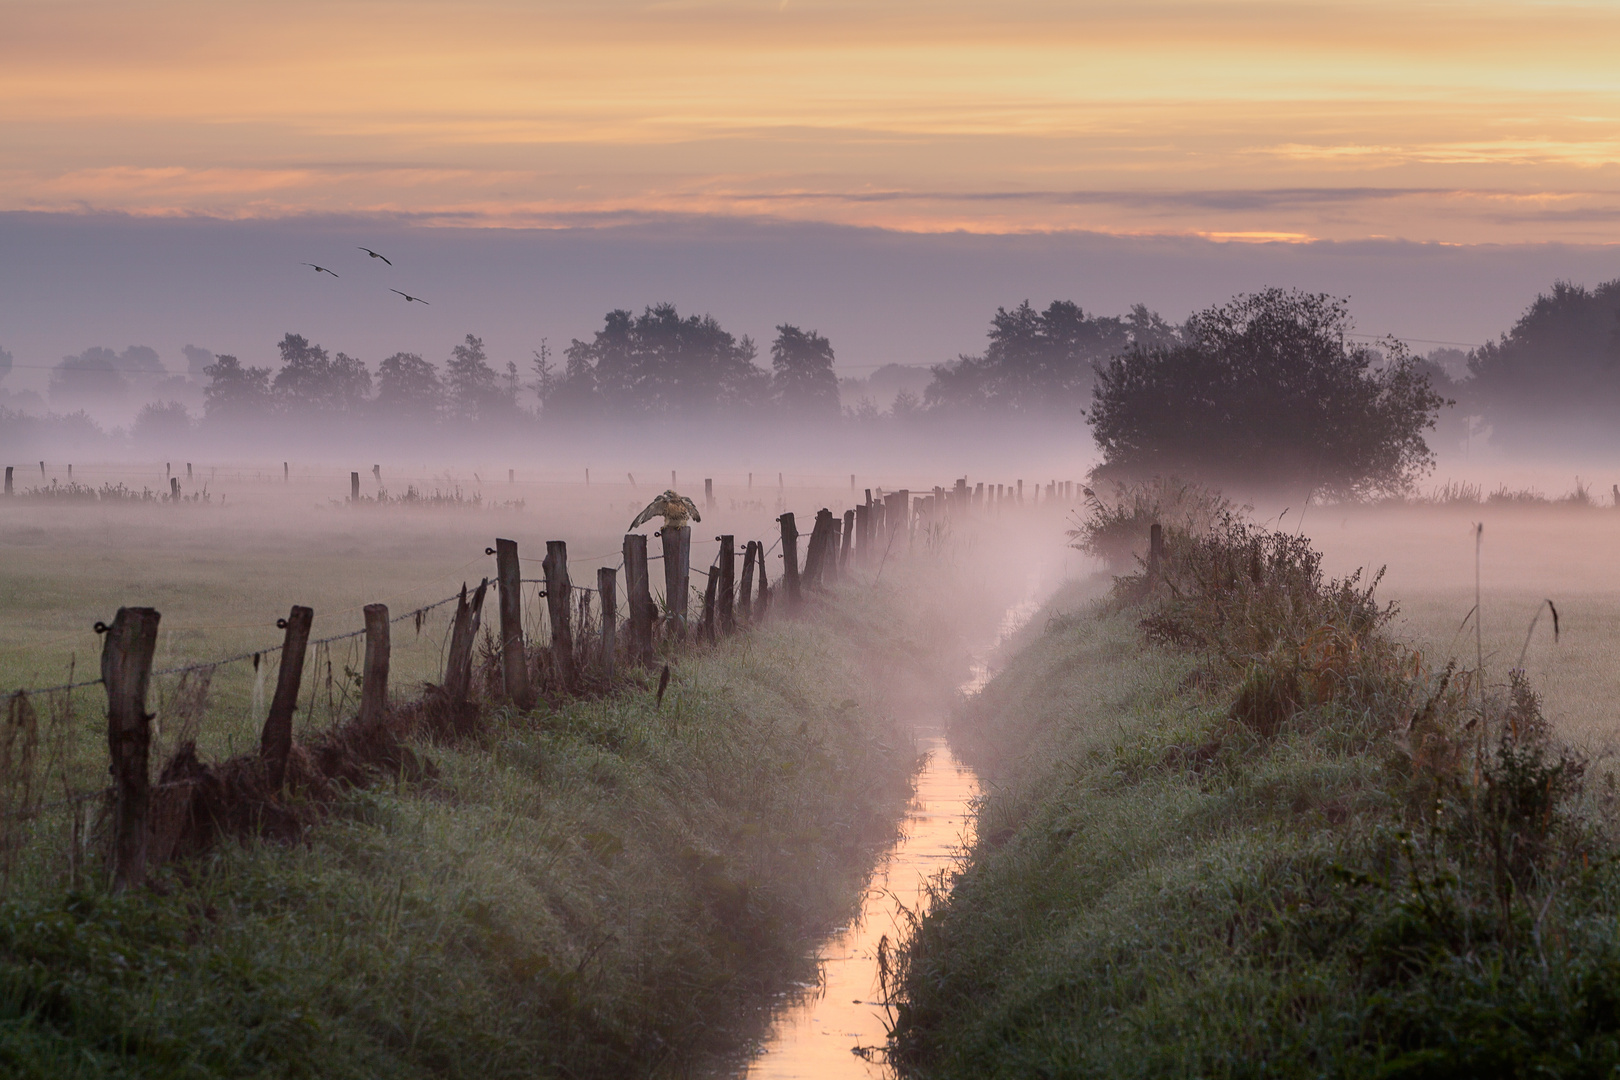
pixel 409 298
pixel 374 255
pixel 318 269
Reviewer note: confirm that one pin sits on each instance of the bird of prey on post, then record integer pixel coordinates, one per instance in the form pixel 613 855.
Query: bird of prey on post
pixel 675 509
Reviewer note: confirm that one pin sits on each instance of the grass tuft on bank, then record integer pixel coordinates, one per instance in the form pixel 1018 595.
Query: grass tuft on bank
pixel 605 889
pixel 1237 830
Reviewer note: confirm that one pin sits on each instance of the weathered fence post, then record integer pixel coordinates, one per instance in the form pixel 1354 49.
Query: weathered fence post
pixel 275 741
pixel 708 493
pixel 677 574
pixel 763 603
pixel 638 594
pixel 354 488
pixel 559 590
pixel 790 559
pixel 815 556
pixel 1155 551
pixel 706 629
pixel 607 587
pixel 728 583
pixel 8 480
pixel 863 533
pixel 745 597
pixel 126 667
pixel 285 475
pixel 174 488
pixel 376 474
pixel 848 539
pixel 463 635
pixel 514 662
pixel 374 679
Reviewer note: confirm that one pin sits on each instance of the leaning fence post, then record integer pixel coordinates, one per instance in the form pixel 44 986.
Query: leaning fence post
pixel 463 634
pixel 790 559
pixel 764 601
pixel 559 591
pixel 728 583
pixel 374 678
pixel 638 594
pixel 275 742
pixel 126 667
pixel 707 631
pixel 677 573
pixel 745 599
pixel 607 586
pixel 514 664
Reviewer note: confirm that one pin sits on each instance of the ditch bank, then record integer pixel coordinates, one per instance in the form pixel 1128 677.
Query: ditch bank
pixel 607 888
pixel 1235 829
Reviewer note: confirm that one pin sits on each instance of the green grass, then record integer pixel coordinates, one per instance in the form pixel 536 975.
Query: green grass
pixel 1160 888
pixel 603 890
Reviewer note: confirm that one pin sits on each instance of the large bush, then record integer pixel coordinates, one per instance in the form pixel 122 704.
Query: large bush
pixel 1268 391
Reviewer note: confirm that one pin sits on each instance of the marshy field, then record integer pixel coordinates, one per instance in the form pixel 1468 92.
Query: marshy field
pixel 1033 809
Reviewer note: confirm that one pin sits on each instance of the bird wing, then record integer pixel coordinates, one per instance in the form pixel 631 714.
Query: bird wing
pixel 691 508
pixel 654 509
pixel 386 259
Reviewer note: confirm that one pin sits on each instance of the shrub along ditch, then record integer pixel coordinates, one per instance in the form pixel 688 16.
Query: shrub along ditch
pixel 1237 829
pixel 599 888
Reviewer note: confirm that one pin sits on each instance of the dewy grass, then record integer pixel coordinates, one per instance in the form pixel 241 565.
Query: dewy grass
pixel 1368 876
pixel 608 889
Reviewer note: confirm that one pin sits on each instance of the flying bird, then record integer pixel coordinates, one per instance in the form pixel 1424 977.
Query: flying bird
pixel 318 269
pixel 374 255
pixel 409 299
pixel 675 510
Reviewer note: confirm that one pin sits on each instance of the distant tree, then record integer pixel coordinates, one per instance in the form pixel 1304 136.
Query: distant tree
pixel 408 387
pixel 476 391
pixel 234 391
pixel 1266 391
pixel 311 381
pixel 5 363
pixel 1040 362
pixel 659 364
pixel 161 421
pixel 906 404
pixel 1560 360
pixel 196 360
pixel 140 360
pixel 803 381
pixel 91 377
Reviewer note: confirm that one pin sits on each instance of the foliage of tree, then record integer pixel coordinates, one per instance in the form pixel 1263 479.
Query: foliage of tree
pixel 802 380
pixel 1562 357
pixel 1266 390
pixel 234 391
pixel 93 375
pixel 158 421
pixel 659 364
pixel 408 387
pixel 476 391
pixel 311 381
pixel 1040 362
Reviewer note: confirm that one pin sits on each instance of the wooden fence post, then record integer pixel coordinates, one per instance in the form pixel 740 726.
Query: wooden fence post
pixel 174 488
pixel 763 602
pixel 708 493
pixel 790 559
pixel 728 583
pixel 126 667
pixel 1155 551
pixel 559 591
pixel 354 488
pixel 8 480
pixel 374 679
pixel 638 594
pixel 677 575
pixel 745 593
pixel 463 635
pixel 275 741
pixel 607 587
pixel 847 537
pixel 284 472
pixel 861 533
pixel 514 661
pixel 815 556
pixel 706 629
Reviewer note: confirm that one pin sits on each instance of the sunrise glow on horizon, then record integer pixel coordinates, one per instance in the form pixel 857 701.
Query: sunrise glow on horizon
pixel 1492 122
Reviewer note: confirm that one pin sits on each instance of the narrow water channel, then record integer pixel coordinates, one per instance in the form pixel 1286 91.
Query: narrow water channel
pixel 838 1031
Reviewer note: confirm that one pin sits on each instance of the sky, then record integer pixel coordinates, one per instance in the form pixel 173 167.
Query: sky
pixel 1057 134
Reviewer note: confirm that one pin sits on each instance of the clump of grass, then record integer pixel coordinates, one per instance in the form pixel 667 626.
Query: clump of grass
pixel 453 499
pixel 1267 839
pixel 75 492
pixel 1116 523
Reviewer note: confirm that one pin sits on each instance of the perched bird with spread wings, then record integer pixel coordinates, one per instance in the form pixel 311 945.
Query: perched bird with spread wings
pixel 675 509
